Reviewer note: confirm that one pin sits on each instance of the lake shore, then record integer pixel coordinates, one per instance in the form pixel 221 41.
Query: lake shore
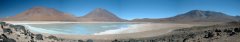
pixel 50 22
pixel 140 30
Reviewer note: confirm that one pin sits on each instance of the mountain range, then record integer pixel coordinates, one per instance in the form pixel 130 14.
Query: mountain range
pixel 203 16
pixel 194 16
pixel 50 14
pixel 102 15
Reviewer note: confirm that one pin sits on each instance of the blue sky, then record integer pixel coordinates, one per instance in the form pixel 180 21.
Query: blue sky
pixel 126 9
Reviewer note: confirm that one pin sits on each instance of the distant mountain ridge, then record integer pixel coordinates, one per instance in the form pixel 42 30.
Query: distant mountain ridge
pixel 102 15
pixel 203 16
pixel 196 16
pixel 50 14
pixel 238 17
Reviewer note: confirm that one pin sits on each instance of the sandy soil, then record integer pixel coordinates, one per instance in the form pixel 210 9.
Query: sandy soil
pixel 135 31
pixel 144 30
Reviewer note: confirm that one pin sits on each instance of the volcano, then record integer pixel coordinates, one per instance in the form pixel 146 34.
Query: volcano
pixel 100 15
pixel 41 14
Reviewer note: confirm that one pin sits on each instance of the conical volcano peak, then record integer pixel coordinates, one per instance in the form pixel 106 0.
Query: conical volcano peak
pixel 196 12
pixel 99 9
pixel 38 7
pixel 100 14
pixel 41 8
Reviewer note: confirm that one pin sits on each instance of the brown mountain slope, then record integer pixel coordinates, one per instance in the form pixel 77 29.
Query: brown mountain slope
pixel 100 15
pixel 41 14
pixel 237 17
pixel 194 16
pixel 204 16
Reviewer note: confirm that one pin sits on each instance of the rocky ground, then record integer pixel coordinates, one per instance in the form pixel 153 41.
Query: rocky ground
pixel 18 33
pixel 227 32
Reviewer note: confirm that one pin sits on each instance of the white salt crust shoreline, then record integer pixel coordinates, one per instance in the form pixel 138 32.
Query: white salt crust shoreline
pixel 114 31
pixel 133 31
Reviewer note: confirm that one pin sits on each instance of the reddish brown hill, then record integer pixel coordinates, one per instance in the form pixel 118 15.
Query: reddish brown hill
pixel 100 15
pixel 41 14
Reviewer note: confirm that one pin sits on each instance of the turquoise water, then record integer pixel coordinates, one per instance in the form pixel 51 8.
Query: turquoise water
pixel 76 28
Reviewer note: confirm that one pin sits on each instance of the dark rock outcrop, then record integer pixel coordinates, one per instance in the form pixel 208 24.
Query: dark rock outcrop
pixel 9 40
pixel 52 37
pixel 80 41
pixel 7 30
pixel 19 33
pixel 39 37
pixel 6 39
pixel 89 40
pixel 20 28
pixel 2 23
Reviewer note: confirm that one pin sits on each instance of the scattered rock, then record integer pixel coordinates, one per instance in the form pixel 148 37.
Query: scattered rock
pixel 132 40
pixel 228 31
pixel 9 40
pixel 89 40
pixel 31 40
pixel 7 30
pixel 237 29
pixel 115 40
pixel 3 23
pixel 4 38
pixel 39 36
pixel 217 30
pixel 215 33
pixel 232 33
pixel 208 35
pixel 52 37
pixel 80 41
pixel 20 28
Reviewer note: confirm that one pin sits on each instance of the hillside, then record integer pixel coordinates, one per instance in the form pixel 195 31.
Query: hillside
pixel 194 16
pixel 41 14
pixel 102 15
pixel 50 14
pixel 203 16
